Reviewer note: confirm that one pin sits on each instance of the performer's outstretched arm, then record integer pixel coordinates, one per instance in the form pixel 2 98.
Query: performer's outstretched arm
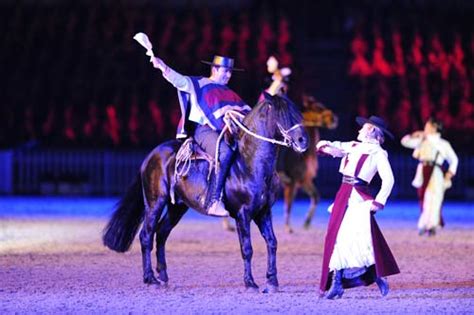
pixel 333 148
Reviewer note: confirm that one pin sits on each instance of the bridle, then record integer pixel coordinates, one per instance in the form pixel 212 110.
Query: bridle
pixel 235 117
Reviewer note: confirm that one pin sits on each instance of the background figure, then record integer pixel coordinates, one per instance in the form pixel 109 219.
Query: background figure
pixel 280 77
pixel 298 171
pixel 431 151
pixel 355 251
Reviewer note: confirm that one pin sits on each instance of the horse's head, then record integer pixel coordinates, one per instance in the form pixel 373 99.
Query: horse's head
pixel 277 117
pixel 316 114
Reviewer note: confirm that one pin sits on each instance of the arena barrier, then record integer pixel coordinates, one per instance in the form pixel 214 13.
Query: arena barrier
pixel 109 172
pixel 69 172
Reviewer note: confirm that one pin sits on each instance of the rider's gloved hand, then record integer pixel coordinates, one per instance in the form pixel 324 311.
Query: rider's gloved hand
pixel 158 63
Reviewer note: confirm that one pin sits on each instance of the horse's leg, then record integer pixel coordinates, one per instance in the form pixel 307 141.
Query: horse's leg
pixel 243 230
pixel 226 225
pixel 313 194
pixel 152 215
pixel 265 225
pixel 289 195
pixel 166 224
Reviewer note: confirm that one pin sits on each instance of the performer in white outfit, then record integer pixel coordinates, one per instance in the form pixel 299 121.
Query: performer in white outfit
pixel 355 251
pixel 431 151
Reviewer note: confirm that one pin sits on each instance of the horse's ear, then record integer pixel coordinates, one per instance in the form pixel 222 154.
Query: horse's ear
pixel 267 96
pixel 268 109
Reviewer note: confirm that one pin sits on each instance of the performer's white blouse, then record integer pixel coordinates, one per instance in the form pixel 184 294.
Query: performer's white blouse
pixel 427 147
pixel 377 161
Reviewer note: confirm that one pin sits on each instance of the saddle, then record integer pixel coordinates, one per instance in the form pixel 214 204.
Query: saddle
pixel 189 151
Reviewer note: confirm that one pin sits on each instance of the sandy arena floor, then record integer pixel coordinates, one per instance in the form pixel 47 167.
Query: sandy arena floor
pixel 58 265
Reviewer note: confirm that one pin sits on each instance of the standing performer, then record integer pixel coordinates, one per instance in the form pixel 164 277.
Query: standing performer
pixel 355 251
pixel 431 151
pixel 204 101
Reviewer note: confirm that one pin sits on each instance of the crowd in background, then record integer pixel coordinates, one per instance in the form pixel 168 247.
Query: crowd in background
pixel 409 61
pixel 408 79
pixel 77 77
pixel 73 75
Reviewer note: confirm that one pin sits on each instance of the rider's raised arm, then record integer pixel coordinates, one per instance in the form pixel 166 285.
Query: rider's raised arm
pixel 179 81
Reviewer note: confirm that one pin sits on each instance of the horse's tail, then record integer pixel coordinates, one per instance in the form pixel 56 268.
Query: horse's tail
pixel 127 217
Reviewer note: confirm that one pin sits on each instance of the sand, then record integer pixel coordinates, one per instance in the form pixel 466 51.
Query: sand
pixel 59 265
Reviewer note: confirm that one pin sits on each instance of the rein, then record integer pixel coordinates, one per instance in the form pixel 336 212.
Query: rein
pixel 183 159
pixel 184 156
pixel 231 115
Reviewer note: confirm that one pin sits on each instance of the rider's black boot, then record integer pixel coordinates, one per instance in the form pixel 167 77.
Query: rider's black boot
pixel 216 206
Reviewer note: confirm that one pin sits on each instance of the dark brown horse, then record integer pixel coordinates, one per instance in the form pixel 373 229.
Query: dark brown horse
pixel 250 191
pixel 299 170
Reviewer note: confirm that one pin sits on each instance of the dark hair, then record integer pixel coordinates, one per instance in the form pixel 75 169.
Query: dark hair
pixel 378 134
pixel 437 123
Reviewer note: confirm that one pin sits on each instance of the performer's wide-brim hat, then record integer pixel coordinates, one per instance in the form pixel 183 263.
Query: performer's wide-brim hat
pixel 377 122
pixel 221 61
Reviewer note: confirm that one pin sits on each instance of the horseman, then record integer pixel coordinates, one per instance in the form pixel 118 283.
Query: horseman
pixel 204 102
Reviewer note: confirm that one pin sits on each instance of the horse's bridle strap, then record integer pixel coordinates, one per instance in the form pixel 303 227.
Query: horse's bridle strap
pixel 231 114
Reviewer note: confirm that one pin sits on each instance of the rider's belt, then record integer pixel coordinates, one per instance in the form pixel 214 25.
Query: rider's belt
pixel 354 181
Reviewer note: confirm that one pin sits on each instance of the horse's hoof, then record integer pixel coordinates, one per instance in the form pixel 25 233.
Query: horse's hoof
pixel 162 282
pixel 288 229
pixel 229 229
pixel 163 277
pixel 150 279
pixel 270 289
pixel 227 226
pixel 306 225
pixel 252 290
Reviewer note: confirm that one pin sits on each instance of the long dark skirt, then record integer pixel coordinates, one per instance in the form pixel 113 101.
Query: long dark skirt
pixel 385 263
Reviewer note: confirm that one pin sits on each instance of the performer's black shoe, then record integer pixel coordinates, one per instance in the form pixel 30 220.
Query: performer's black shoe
pixel 432 232
pixel 382 283
pixel 336 291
